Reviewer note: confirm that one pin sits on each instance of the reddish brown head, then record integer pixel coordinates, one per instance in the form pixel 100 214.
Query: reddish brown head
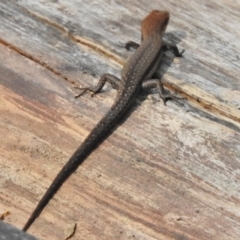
pixel 155 23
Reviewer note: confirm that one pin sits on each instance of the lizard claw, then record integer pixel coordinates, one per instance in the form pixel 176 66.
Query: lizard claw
pixel 83 92
pixel 93 92
pixel 167 97
pixel 181 53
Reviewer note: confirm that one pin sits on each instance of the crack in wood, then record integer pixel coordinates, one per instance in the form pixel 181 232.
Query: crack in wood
pixel 42 63
pixel 96 47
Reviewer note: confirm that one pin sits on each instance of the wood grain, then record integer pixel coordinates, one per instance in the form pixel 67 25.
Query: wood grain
pixel 166 172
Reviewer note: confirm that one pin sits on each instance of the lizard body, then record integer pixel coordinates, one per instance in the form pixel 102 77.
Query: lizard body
pixel 136 74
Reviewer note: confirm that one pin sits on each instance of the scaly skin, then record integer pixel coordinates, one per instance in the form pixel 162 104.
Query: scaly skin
pixel 136 74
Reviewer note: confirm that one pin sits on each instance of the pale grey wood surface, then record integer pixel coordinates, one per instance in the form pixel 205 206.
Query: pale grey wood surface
pixel 167 172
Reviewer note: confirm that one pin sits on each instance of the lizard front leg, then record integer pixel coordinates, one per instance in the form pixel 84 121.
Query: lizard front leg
pixel 166 47
pixel 111 79
pixel 131 44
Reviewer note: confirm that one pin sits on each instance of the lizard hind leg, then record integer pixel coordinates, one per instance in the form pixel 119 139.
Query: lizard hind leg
pixel 111 79
pixel 157 83
pixel 174 49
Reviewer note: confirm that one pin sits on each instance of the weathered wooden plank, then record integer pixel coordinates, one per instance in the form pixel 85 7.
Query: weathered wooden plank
pixel 166 173
pixel 150 191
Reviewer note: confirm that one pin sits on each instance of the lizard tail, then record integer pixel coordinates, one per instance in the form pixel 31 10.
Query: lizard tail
pixel 95 137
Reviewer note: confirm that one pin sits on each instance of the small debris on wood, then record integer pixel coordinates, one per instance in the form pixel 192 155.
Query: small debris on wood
pixel 70 230
pixel 4 215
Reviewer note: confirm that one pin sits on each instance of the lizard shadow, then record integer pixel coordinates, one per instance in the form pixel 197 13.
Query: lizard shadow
pixel 173 37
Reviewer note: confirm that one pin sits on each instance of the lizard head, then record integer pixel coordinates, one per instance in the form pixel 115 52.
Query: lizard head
pixel 154 23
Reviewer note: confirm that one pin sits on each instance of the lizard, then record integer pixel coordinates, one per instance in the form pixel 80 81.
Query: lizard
pixel 137 74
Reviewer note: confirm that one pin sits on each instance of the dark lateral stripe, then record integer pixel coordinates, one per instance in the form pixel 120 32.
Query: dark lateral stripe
pixel 152 64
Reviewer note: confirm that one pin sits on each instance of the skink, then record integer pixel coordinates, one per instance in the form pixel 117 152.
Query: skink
pixel 136 75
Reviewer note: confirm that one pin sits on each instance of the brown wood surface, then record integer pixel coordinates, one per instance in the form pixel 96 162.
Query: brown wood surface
pixel 166 172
